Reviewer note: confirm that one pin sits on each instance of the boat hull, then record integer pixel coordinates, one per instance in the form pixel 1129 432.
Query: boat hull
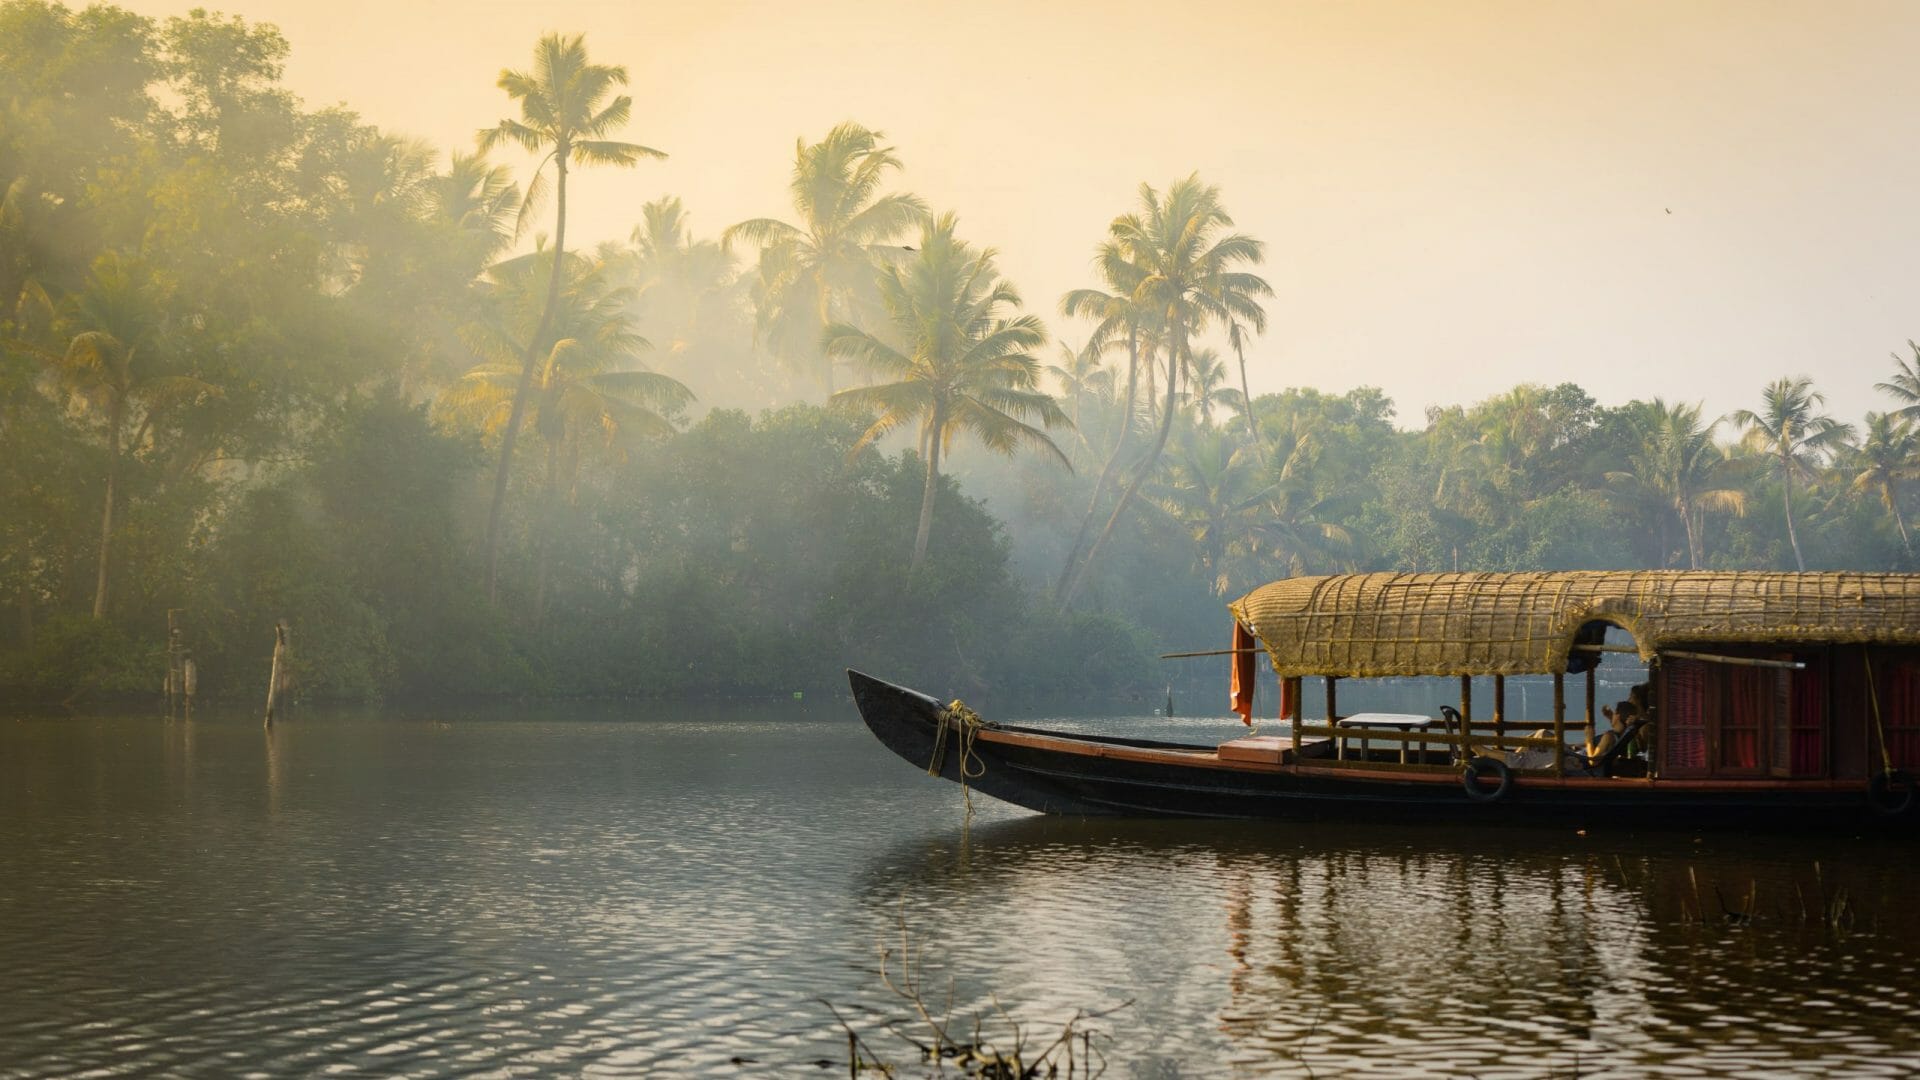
pixel 1055 773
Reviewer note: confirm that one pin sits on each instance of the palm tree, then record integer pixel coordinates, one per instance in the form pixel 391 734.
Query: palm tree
pixel 476 200
pixel 952 360
pixel 1677 463
pixel 1886 457
pixel 1214 490
pixel 1115 313
pixel 564 111
pixel 1207 387
pixel 810 273
pixel 1237 333
pixel 1081 375
pixel 1185 276
pixel 110 368
pixel 1904 387
pixel 592 390
pixel 1788 431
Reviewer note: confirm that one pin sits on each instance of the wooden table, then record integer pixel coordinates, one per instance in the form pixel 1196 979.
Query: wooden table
pixel 1398 721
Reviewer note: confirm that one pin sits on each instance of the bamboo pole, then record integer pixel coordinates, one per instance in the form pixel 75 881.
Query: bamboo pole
pixel 1333 718
pixel 1466 713
pixel 1295 708
pixel 1438 738
pixel 1592 729
pixel 1560 723
pixel 1499 705
pixel 1208 652
pixel 1738 661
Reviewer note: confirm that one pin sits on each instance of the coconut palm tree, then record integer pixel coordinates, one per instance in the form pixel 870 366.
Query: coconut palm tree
pixel 1794 437
pixel 1885 459
pixel 949 359
pixel 566 114
pixel 811 273
pixel 476 200
pixel 1081 376
pixel 1676 462
pixel 113 367
pixel 1207 387
pixel 1116 315
pixel 1215 489
pixel 1185 274
pixel 592 391
pixel 1904 387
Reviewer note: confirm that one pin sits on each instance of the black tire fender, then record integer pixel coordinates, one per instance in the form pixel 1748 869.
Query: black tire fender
pixel 1890 793
pixel 1470 779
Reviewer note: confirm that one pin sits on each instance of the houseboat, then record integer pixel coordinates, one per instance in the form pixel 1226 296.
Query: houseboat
pixel 1770 700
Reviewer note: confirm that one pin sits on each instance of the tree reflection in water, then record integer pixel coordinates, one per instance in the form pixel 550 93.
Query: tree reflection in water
pixel 1512 952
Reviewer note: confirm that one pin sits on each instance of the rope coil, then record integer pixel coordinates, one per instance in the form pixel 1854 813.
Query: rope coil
pixel 969 723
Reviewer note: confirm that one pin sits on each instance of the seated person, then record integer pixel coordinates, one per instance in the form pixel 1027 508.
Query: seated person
pixel 1619 718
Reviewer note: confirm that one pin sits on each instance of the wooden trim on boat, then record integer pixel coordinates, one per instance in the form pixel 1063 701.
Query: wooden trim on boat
pixel 1206 758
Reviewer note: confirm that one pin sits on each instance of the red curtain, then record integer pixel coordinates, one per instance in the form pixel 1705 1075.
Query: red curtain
pixel 1750 702
pixel 1241 688
pixel 1684 722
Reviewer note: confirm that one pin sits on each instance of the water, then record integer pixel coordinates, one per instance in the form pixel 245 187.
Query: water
pixel 651 891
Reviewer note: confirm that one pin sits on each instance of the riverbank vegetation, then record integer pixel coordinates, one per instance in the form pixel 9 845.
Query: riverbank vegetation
pixel 260 361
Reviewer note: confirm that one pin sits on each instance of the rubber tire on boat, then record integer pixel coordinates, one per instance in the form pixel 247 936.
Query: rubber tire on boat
pixel 1470 779
pixel 1890 793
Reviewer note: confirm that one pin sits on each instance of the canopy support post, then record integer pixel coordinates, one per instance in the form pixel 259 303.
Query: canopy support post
pixel 1592 729
pixel 1559 724
pixel 1333 720
pixel 1292 697
pixel 1499 706
pixel 1465 749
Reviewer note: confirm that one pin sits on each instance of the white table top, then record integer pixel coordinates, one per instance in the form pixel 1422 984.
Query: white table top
pixel 1387 719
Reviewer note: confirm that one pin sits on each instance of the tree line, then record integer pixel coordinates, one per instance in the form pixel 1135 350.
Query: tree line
pixel 263 362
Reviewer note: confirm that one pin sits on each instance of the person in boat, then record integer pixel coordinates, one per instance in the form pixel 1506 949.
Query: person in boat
pixel 1620 717
pixel 1642 742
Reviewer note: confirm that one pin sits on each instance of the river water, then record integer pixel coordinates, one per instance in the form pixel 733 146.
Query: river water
pixel 688 891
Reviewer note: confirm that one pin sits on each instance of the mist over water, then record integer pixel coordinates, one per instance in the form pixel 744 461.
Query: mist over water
pixel 624 891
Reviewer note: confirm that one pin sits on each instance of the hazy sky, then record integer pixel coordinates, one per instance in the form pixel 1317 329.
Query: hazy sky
pixel 1646 198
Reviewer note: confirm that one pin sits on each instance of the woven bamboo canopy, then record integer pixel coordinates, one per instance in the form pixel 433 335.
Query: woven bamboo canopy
pixel 1373 625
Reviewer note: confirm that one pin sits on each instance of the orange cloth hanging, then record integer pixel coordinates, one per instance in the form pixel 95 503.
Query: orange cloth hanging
pixel 1242 686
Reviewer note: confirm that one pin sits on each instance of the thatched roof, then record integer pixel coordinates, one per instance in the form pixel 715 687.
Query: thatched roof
pixel 1368 625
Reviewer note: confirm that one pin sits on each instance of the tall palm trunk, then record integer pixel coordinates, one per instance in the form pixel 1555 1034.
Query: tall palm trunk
pixel 1246 400
pixel 116 415
pixel 1786 498
pixel 1176 358
pixel 520 393
pixel 543 546
pixel 933 486
pixel 1106 472
pixel 1892 495
pixel 1685 510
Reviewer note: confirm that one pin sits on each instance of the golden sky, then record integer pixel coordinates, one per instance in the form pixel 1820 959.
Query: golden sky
pixel 1685 199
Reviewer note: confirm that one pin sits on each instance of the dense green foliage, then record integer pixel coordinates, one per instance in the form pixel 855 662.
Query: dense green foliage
pixel 260 363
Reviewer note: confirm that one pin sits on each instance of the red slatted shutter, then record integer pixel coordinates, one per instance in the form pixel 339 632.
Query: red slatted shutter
pixel 1683 716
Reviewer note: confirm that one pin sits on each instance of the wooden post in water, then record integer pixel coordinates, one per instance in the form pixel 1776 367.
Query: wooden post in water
pixel 189 683
pixel 277 678
pixel 1559 724
pixel 176 679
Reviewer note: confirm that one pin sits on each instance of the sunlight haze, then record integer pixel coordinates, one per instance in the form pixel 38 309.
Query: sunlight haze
pixel 1643 198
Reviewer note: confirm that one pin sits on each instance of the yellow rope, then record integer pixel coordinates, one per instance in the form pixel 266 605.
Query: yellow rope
pixel 957 714
pixel 1873 695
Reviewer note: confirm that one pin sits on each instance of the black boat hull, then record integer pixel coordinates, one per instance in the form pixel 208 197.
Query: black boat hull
pixel 1079 775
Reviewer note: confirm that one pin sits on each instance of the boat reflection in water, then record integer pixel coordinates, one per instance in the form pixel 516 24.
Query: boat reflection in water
pixel 1278 949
